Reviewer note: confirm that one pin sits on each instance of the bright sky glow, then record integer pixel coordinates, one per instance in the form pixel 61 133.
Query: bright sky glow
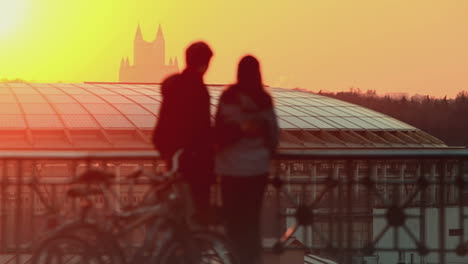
pixel 11 15
pixel 415 46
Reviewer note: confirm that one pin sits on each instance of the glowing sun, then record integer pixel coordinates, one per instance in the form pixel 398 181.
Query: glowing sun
pixel 11 14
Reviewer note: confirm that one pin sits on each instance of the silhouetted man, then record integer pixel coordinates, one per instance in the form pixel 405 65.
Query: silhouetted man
pixel 184 123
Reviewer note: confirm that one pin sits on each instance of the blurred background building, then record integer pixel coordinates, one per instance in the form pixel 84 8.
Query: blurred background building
pixel 149 60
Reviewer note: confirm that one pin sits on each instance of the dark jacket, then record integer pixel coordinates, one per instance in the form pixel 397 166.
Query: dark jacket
pixel 184 122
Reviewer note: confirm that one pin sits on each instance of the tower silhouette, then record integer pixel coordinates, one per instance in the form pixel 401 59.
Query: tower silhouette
pixel 149 60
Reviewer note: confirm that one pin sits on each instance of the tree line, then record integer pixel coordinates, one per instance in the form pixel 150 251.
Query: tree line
pixel 446 119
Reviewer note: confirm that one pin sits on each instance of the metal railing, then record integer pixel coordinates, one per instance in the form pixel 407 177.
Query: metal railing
pixel 385 206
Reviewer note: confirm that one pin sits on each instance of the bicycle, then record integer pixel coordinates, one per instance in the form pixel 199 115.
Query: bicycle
pixel 184 241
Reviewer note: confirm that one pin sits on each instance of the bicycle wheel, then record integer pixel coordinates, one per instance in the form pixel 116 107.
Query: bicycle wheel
pixel 101 243
pixel 66 249
pixel 196 248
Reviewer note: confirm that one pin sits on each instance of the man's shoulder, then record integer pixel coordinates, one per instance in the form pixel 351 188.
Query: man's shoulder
pixel 172 79
pixel 169 83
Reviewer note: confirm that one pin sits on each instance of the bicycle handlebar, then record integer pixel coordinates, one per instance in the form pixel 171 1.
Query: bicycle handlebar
pixel 99 176
pixel 176 161
pixel 166 177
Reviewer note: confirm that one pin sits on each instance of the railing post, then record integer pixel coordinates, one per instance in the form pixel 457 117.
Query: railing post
pixel 4 183
pixel 422 209
pixel 442 220
pixel 118 191
pixel 434 179
pixel 385 177
pixel 372 176
pixel 334 222
pixel 341 219
pixel 313 177
pixel 278 224
pixel 461 199
pixel 19 207
pixel 402 173
pixel 32 198
pixel 351 169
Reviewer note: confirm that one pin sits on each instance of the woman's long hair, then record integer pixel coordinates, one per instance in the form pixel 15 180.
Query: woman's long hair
pixel 249 82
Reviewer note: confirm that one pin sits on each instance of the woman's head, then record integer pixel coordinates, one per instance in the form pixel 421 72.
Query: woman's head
pixel 248 73
pixel 249 81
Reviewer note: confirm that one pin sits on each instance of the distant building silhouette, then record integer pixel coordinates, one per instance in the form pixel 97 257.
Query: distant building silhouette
pixel 149 60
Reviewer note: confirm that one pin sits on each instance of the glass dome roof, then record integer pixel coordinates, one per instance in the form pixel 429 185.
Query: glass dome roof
pixel 122 116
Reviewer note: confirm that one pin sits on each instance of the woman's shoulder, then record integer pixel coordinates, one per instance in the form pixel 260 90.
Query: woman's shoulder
pixel 230 95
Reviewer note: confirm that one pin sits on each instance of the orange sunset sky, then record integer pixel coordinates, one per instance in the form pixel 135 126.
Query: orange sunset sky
pixel 387 45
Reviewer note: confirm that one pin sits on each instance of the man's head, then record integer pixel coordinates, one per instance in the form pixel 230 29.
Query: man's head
pixel 198 56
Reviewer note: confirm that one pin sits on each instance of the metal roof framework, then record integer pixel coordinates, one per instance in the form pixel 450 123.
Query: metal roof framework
pixel 104 116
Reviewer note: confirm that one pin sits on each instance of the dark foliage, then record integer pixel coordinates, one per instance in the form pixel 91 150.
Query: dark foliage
pixel 446 119
pixel 12 81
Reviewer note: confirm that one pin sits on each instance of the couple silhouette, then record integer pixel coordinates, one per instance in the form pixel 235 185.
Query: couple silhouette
pixel 237 149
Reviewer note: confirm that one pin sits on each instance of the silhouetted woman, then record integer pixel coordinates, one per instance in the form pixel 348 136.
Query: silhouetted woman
pixel 246 135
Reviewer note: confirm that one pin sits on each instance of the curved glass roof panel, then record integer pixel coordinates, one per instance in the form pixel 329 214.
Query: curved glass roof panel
pixel 343 122
pixel 12 121
pixel 107 85
pixel 153 108
pixel 113 109
pixel 80 122
pixel 281 112
pixel 334 111
pixel 70 109
pixel 107 101
pixel 143 121
pixel 361 123
pixel 10 109
pixel 116 99
pixel 100 91
pixel 334 102
pixel 5 90
pixel 7 98
pixel 76 91
pixel 149 91
pixel 24 90
pixel 25 85
pixel 142 99
pixel 318 122
pixel 33 109
pixel 131 109
pixel 396 123
pixel 350 111
pixel 311 102
pixel 316 111
pixel 44 121
pixel 49 90
pixel 60 98
pixel 101 109
pixel 293 101
pixel 65 85
pixel 113 121
pixel 157 97
pixel 378 122
pixel 285 124
pixel 367 112
pixel 87 98
pixel 291 110
pixel 298 122
pixel 30 98
pixel 128 92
